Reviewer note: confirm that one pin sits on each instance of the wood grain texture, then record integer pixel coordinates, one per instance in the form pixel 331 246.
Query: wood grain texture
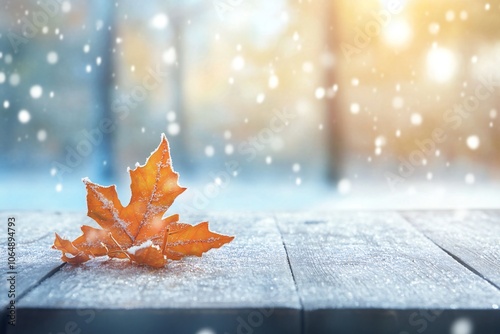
pixel 376 268
pixel 34 257
pixel 246 283
pixel 353 272
pixel 471 236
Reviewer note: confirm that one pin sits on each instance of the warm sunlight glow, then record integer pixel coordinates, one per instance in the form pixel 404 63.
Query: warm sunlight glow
pixel 397 32
pixel 441 64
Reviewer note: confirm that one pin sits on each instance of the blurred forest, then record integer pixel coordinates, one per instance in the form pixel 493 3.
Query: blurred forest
pixel 365 85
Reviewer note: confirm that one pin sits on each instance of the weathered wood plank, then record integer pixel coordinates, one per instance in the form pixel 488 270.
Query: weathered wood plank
pixel 373 272
pixel 471 236
pixel 246 285
pixel 34 234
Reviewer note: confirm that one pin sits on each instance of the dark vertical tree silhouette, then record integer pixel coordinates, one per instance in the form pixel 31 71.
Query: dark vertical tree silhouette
pixel 335 139
pixel 102 86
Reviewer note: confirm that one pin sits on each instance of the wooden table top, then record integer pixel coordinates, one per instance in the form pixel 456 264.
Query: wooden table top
pixel 338 272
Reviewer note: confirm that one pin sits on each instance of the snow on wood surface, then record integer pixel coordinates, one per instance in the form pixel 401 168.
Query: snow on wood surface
pixel 252 271
pixel 376 260
pixel 351 272
pixel 472 236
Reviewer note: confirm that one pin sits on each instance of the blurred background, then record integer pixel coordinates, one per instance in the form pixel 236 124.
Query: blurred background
pixel 267 105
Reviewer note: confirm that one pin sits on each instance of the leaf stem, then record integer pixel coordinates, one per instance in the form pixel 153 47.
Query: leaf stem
pixel 165 240
pixel 121 249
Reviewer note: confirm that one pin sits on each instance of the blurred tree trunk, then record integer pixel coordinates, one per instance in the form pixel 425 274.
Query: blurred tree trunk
pixel 180 151
pixel 7 125
pixel 103 41
pixel 335 144
pixel 180 12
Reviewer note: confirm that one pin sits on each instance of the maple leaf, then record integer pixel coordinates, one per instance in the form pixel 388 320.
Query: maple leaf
pixel 138 231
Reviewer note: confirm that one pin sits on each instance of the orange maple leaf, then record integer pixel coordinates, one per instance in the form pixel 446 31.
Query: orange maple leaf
pixel 138 231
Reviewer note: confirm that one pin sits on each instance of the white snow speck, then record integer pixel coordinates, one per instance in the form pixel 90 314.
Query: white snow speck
pixel 464 15
pixel 296 168
pixel 344 187
pixel 450 15
pixel 307 67
pixel 355 82
pixel 206 331
pixel 209 151
pixel 441 64
pixel 66 7
pixel 159 21
pixel 36 91
pixel 229 149
pixel 169 56
pixel 462 326
pixel 434 28
pixel 52 57
pixel 319 93
pixel 173 129
pixel 269 160
pixel 14 79
pixel 6 104
pixel 238 63
pixel 298 181
pixel 416 119
pixel 493 113
pixel 398 102
pixel 260 98
pixel 227 134
pixel 171 116
pixel 98 25
pixel 24 116
pixel 355 108
pixel 470 178
pixel 2 77
pixel 273 81
pixel 86 48
pixel 145 244
pixel 41 135
pixel 59 187
pixel 380 141
pixel 473 142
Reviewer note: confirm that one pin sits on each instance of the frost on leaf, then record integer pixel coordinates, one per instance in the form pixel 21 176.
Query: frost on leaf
pixel 138 231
